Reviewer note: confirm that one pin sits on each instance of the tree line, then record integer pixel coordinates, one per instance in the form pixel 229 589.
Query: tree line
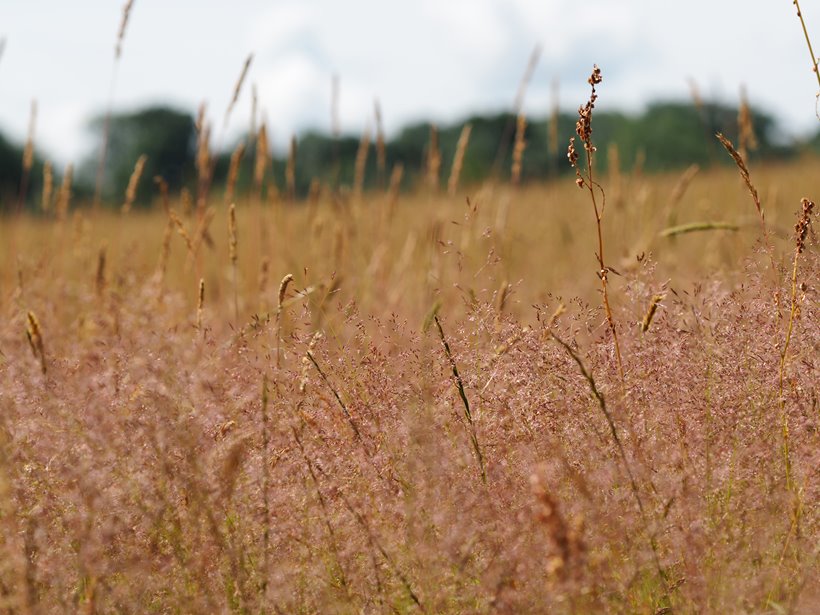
pixel 666 136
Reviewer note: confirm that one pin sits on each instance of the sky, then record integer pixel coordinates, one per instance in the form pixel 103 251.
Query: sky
pixel 422 59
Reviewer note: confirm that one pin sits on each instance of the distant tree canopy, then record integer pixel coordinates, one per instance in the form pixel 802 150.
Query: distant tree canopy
pixel 165 135
pixel 11 176
pixel 667 135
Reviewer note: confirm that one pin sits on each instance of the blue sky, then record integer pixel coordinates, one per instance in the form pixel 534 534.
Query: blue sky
pixel 436 59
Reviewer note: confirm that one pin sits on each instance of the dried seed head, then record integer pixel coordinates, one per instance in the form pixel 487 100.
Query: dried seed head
pixel 283 287
pixel 232 237
pixel 48 186
pixel 303 380
pixel 126 11
pixel 133 182
pixel 519 147
pixel 801 229
pixel 35 339
pixel 650 313
pixel 200 304
pixel 64 195
pixel 233 171
pixel 458 159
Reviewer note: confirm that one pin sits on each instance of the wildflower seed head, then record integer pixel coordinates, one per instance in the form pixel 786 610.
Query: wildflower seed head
pixel 801 229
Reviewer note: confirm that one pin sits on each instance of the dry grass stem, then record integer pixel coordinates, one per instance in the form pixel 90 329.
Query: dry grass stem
pixel 34 333
pixel 583 128
pixel 381 152
pixel 360 165
pixel 650 313
pixel 283 288
pixel 237 88
pixel 133 182
pixel 126 13
pixel 290 170
pixel 233 171
pixel 64 195
pixel 48 187
pixel 433 159
pixel 200 304
pixel 518 148
pixel 458 159
pixel 233 244
pixel 468 414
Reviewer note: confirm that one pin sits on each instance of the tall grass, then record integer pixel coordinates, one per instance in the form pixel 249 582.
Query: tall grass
pixel 639 435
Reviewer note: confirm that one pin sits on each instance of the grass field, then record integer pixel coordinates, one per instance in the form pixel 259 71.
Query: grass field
pixel 313 446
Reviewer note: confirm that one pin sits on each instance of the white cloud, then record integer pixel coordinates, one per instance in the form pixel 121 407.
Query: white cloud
pixel 422 59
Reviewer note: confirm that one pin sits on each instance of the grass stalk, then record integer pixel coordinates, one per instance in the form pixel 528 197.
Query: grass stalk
pixel 463 395
pixel 583 128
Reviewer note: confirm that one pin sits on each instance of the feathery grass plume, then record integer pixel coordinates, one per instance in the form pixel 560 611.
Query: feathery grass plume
pixel 200 304
pixel 650 313
pixel 345 410
pixel 376 544
pixel 800 232
pixel 48 186
pixel 133 182
pixel 34 333
pixel 811 52
pixel 361 164
pixel 237 89
pixel 458 159
pixel 265 484
pixel 468 414
pixel 747 138
pixel 593 386
pixel 433 159
pixel 64 195
pixel 283 287
pixel 232 246
pixel 518 148
pixel 233 171
pixel 565 536
pixel 553 145
pixel 381 154
pixel 744 173
pixel 290 170
pixel 262 161
pixel 28 156
pixel 583 128
pixel 163 193
pixel 99 279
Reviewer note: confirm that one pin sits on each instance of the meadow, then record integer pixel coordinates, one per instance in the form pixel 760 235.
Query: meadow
pixel 594 394
pixel 427 413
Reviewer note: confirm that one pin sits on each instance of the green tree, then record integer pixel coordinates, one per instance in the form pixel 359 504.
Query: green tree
pixel 165 135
